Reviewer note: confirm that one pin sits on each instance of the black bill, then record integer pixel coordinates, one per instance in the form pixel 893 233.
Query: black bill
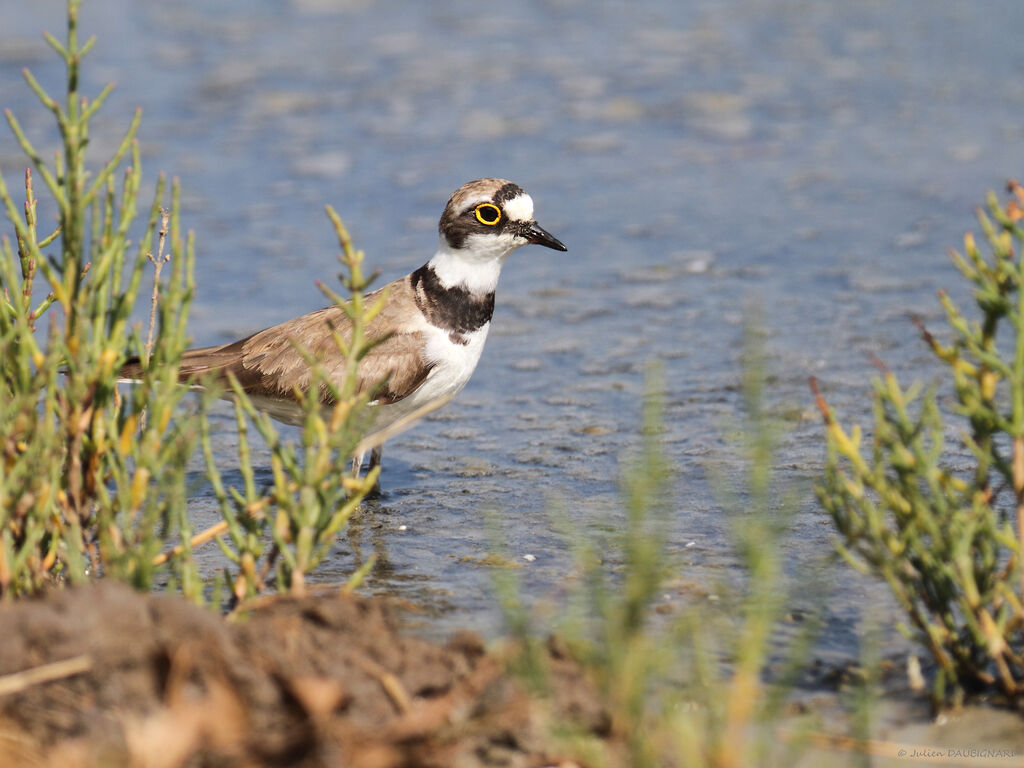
pixel 535 233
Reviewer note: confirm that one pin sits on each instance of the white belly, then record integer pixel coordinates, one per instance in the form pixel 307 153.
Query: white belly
pixel 454 363
pixel 453 366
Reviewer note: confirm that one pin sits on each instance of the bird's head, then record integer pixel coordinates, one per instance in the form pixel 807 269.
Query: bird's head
pixel 490 218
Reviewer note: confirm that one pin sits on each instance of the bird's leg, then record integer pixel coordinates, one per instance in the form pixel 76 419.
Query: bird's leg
pixel 375 461
pixel 357 467
pixel 375 456
pixel 357 463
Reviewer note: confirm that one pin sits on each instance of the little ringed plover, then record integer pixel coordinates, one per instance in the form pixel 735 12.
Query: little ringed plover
pixel 436 320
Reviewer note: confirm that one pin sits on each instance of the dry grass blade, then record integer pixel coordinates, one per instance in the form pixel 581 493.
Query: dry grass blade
pixel 391 684
pixel 46 673
pixel 158 262
pixel 198 540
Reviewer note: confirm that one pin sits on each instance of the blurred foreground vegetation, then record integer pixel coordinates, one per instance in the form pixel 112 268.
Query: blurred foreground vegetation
pixel 93 482
pixel 685 683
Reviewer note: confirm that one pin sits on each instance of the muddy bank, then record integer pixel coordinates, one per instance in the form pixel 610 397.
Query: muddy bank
pixel 324 680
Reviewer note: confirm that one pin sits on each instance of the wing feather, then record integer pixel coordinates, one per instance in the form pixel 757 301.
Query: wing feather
pixel 268 364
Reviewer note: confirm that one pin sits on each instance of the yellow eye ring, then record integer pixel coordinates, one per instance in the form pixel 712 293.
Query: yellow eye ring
pixel 488 213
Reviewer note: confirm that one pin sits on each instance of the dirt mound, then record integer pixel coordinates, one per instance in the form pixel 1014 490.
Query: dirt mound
pixel 152 680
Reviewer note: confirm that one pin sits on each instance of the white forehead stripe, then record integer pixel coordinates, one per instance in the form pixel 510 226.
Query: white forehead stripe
pixel 520 208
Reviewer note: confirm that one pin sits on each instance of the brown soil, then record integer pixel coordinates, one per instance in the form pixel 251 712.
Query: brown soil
pixel 292 682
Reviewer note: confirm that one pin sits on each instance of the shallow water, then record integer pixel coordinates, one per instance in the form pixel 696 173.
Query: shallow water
pixel 810 161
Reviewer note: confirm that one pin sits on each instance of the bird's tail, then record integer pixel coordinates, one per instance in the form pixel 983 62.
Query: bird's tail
pixel 194 363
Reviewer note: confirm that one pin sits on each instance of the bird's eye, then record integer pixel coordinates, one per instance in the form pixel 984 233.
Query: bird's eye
pixel 488 213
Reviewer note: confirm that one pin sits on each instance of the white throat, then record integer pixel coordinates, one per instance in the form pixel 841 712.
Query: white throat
pixel 472 267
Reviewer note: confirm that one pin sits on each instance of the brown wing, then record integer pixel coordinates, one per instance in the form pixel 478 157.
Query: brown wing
pixel 268 364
